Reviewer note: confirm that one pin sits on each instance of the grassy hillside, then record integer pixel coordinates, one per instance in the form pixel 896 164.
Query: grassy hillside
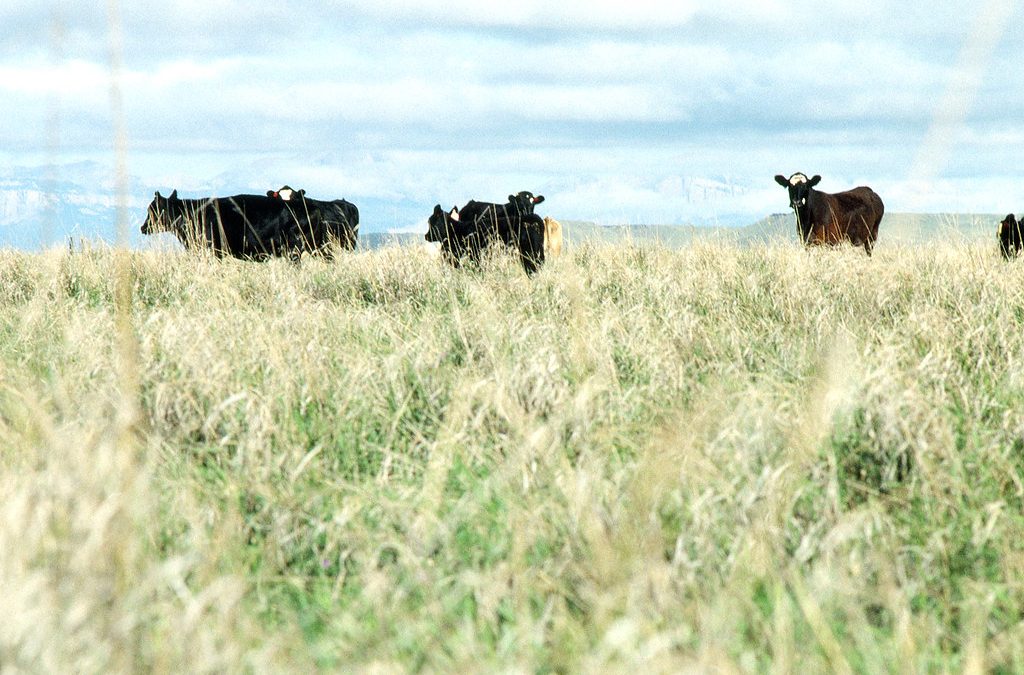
pixel 896 229
pixel 716 458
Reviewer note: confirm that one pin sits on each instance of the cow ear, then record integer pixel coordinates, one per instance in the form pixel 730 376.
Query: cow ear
pixel 271 193
pixel 174 195
pixel 814 181
pixel 302 193
pixel 538 199
pixel 781 180
pixel 437 210
pixel 157 195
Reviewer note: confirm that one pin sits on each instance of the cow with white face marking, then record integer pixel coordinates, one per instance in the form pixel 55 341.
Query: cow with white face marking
pixel 831 219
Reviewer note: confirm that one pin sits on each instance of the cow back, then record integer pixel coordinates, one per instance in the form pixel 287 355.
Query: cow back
pixel 853 215
pixel 314 224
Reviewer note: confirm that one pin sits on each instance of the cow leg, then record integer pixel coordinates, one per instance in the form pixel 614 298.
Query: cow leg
pixel 531 247
pixel 475 249
pixel 448 253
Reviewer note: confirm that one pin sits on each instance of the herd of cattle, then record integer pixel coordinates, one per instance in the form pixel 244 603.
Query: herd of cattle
pixel 287 223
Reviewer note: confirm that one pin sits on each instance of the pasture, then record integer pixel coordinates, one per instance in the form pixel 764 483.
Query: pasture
pixel 718 457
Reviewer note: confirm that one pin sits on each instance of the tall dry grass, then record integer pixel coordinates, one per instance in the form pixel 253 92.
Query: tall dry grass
pixel 714 458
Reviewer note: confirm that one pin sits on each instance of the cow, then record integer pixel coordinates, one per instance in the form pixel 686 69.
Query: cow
pixel 552 238
pixel 458 239
pixel 830 219
pixel 248 227
pixel 1010 239
pixel 318 222
pixel 508 224
pixel 521 203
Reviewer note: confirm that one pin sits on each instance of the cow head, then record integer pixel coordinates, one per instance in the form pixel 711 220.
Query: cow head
pixel 799 186
pixel 286 193
pixel 444 225
pixel 456 238
pixel 1009 236
pixel 162 214
pixel 437 224
pixel 525 201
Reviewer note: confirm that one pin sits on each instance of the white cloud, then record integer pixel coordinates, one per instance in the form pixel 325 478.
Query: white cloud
pixel 74 78
pixel 470 98
pixel 955 105
pixel 576 13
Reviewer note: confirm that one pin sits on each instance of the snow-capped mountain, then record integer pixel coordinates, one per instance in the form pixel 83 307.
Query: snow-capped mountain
pixel 43 206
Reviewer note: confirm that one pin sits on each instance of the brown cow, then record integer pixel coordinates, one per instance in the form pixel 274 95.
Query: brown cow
pixel 831 219
pixel 552 238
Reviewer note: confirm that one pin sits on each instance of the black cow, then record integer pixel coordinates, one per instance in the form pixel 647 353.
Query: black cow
pixel 1010 239
pixel 521 203
pixel 830 219
pixel 458 239
pixel 479 225
pixel 250 227
pixel 318 222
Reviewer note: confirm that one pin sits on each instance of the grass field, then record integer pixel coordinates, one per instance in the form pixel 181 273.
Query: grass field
pixel 714 458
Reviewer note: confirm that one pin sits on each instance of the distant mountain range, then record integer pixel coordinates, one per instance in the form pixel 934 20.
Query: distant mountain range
pixel 896 228
pixel 39 209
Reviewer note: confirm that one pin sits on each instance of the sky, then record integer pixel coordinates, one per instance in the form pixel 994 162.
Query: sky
pixel 639 111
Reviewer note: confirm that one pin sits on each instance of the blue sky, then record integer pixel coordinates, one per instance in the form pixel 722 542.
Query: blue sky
pixel 617 111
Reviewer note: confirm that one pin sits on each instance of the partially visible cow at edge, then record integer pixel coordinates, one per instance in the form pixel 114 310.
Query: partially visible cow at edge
pixel 319 222
pixel 831 219
pixel 467 232
pixel 1010 239
pixel 552 238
